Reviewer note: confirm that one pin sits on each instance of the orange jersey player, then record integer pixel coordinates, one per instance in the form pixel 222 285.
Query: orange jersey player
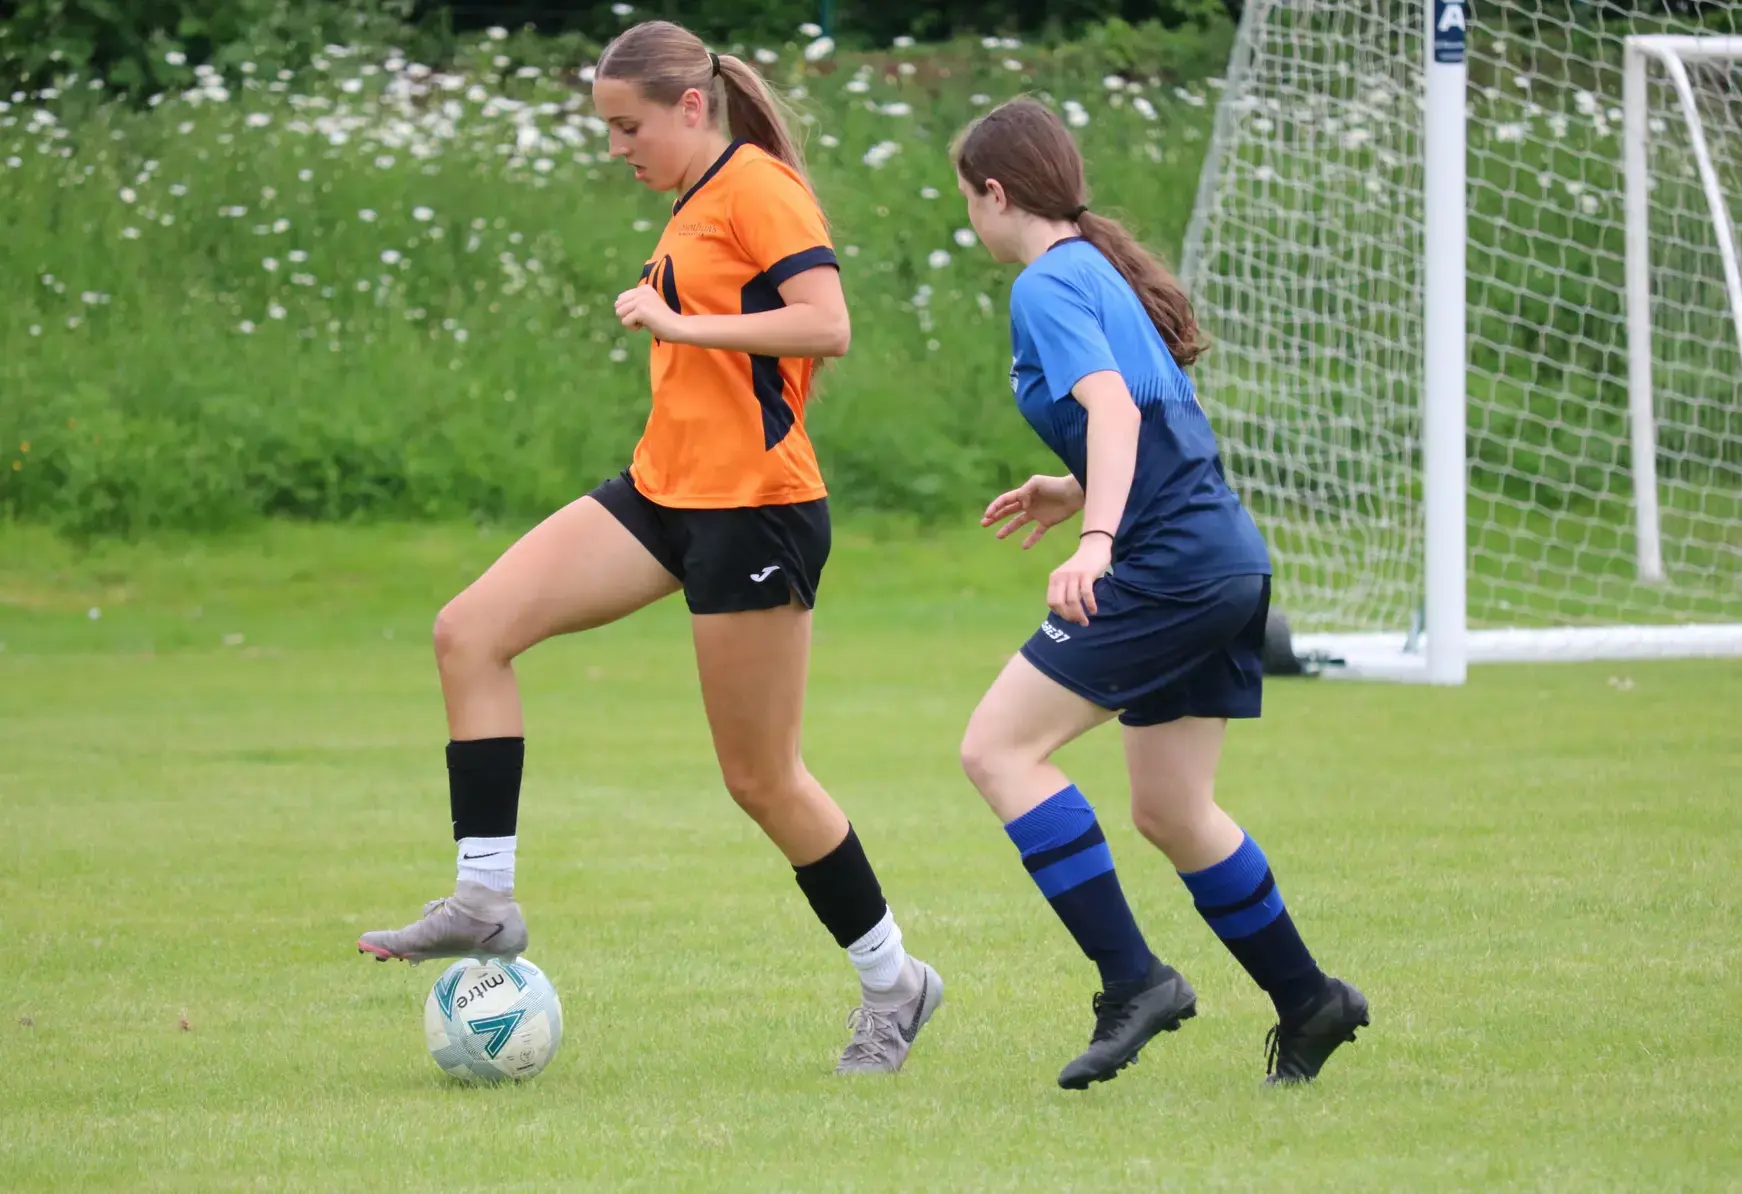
pixel 727 428
pixel 723 499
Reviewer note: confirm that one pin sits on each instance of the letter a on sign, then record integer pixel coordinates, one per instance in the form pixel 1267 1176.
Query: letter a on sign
pixel 1451 23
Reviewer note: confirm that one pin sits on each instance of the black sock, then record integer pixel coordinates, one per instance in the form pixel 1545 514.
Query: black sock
pixel 484 786
pixel 843 890
pixel 1238 899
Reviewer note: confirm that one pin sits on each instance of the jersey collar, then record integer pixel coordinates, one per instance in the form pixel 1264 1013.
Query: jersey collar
pixel 1069 240
pixel 719 164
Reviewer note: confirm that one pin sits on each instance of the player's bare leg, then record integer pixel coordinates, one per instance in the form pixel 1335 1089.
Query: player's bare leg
pixel 753 667
pixel 1173 804
pixel 578 569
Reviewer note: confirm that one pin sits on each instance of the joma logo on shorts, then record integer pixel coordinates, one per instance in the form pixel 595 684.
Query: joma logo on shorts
pixel 1054 633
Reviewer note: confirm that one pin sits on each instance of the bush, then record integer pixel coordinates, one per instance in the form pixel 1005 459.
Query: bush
pixel 377 291
pixel 852 22
pixel 142 47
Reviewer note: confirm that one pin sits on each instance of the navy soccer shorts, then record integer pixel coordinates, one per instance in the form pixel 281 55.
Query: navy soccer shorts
pixel 1158 657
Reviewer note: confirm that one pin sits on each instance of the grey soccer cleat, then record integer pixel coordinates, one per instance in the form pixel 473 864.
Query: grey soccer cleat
pixel 884 1026
pixel 474 922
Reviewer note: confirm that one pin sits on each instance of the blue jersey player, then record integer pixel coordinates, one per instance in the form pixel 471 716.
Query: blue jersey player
pixel 1157 618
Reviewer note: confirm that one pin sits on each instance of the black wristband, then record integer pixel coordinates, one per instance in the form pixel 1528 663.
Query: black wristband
pixel 1086 534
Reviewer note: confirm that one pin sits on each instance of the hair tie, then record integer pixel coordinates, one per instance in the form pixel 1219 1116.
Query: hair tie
pixel 1078 212
pixel 715 60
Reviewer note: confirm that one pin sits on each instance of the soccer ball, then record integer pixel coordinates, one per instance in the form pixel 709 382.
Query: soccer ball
pixel 494 1020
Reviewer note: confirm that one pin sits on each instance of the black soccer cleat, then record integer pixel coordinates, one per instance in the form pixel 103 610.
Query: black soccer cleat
pixel 1127 1017
pixel 1298 1046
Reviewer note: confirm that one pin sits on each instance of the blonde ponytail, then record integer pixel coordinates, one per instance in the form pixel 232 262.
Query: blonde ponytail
pixel 756 114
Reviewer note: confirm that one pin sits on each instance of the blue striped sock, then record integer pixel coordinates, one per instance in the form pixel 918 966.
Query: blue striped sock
pixel 1067 856
pixel 1238 899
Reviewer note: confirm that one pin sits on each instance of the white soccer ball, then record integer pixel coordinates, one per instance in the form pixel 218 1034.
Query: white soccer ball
pixel 494 1020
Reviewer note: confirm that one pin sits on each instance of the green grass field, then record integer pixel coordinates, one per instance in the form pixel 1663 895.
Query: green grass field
pixel 211 787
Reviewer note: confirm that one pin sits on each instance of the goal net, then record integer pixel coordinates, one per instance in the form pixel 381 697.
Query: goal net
pixel 1602 464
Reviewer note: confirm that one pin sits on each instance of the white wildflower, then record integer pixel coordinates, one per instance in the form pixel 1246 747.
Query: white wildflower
pixel 880 153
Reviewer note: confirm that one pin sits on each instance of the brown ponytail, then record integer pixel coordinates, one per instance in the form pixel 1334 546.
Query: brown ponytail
pixel 665 60
pixel 1036 160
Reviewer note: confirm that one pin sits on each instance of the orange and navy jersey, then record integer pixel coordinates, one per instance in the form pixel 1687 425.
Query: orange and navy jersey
pixel 727 428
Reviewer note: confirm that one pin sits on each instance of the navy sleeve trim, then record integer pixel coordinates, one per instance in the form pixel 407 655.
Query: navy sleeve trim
pixel 797 263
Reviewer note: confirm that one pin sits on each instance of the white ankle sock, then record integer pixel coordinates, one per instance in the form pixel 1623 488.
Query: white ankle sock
pixel 488 860
pixel 878 956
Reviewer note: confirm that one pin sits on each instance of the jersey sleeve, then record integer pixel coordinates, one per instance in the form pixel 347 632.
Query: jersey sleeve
pixel 1062 325
pixel 780 225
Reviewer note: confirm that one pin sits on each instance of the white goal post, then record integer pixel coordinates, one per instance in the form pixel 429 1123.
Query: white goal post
pixel 1471 280
pixel 1673 52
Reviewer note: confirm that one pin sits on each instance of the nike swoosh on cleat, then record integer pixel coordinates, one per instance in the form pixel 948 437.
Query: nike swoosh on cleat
pixel 911 1028
pixel 491 854
pixel 492 933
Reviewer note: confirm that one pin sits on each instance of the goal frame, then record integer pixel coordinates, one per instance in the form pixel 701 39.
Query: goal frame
pixel 1672 52
pixel 1440 648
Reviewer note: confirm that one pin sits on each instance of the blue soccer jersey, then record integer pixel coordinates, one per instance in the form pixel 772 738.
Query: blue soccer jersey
pixel 1072 314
